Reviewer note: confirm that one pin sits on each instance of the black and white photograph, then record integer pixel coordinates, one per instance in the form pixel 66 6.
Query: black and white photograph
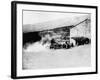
pixel 54 39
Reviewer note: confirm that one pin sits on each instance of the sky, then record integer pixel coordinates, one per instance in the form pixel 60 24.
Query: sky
pixel 33 17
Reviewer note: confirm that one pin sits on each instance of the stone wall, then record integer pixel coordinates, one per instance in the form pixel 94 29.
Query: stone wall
pixel 81 30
